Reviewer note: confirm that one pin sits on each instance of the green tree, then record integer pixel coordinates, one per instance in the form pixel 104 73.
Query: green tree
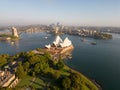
pixel 26 66
pixel 37 68
pixel 20 71
pixel 26 55
pixel 66 83
pixel 36 59
pixel 56 75
pixel 60 65
pixel 47 55
pixel 3 59
pixel 54 87
pixel 76 80
pixel 42 66
pixel 33 74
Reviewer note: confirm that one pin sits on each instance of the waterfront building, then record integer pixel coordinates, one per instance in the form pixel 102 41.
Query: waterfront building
pixel 59 48
pixel 58 42
pixel 7 79
pixel 48 46
pixel 66 43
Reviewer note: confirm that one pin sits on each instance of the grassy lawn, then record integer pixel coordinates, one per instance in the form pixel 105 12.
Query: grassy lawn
pixel 27 81
pixel 87 82
pixel 38 83
pixel 65 71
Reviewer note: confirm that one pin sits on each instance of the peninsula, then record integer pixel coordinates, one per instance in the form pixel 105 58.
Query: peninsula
pixel 29 70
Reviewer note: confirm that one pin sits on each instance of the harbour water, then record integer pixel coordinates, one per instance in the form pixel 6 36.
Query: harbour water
pixel 100 62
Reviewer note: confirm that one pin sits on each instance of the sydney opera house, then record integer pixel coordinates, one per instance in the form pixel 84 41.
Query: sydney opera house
pixel 60 48
pixel 58 42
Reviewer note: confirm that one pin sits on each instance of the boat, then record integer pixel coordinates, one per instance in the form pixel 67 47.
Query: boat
pixel 45 37
pixel 12 43
pixel 93 43
pixel 70 57
pixel 82 39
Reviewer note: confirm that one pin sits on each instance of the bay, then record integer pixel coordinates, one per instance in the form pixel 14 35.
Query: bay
pixel 100 62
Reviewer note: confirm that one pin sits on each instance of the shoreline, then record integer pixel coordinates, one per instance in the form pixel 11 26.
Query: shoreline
pixel 9 38
pixel 72 69
pixel 83 76
pixel 93 81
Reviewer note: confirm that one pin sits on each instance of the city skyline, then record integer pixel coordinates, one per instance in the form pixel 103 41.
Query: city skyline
pixel 67 12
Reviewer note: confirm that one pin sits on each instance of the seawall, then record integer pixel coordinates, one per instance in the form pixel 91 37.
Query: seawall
pixel 64 50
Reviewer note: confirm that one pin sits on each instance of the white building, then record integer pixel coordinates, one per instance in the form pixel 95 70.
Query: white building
pixel 66 43
pixel 48 46
pixel 58 42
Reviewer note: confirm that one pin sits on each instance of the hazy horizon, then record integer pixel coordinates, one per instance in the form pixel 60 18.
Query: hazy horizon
pixel 67 12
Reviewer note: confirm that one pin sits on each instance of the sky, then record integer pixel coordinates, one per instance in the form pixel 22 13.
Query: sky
pixel 67 12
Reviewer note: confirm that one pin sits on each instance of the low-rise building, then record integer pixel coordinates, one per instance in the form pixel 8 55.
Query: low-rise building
pixel 6 78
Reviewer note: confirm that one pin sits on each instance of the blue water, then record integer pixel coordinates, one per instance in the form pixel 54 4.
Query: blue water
pixel 100 62
pixel 26 42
